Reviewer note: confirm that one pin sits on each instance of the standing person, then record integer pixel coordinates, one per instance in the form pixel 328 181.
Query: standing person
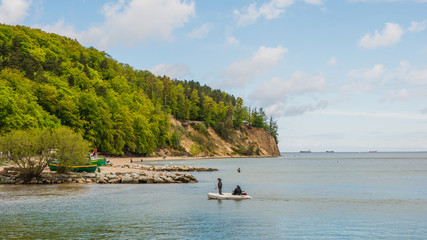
pixel 219 186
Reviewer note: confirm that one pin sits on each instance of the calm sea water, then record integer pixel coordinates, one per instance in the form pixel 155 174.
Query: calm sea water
pixel 295 196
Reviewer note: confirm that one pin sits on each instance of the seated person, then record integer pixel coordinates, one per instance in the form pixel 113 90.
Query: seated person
pixel 237 190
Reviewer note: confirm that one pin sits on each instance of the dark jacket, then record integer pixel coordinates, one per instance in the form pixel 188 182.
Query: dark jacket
pixel 237 191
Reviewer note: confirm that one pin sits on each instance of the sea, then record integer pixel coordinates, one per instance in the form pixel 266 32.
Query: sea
pixel 295 196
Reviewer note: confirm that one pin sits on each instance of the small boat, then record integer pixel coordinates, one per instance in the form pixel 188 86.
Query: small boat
pixel 99 162
pixel 305 151
pixel 83 168
pixel 228 196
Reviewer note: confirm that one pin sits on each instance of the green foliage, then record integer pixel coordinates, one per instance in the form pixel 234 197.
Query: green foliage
pixel 47 81
pixel 31 149
pixel 200 128
pixel 70 148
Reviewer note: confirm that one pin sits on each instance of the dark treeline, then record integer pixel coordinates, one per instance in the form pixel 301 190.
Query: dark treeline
pixel 47 80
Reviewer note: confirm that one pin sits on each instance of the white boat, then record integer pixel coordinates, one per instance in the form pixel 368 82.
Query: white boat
pixel 228 196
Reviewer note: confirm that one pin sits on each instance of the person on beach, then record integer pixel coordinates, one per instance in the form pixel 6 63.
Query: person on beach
pixel 238 170
pixel 237 190
pixel 219 186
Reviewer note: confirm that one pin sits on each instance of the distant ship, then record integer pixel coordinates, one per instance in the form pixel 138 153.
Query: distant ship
pixel 307 151
pixel 373 151
pixel 330 151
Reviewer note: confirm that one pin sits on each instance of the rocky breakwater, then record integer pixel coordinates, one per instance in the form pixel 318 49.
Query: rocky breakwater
pixel 152 175
pixel 167 168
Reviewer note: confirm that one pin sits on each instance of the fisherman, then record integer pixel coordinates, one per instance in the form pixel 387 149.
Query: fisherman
pixel 237 190
pixel 219 186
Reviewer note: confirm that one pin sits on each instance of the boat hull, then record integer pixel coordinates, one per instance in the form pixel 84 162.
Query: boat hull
pixel 84 168
pixel 99 162
pixel 228 196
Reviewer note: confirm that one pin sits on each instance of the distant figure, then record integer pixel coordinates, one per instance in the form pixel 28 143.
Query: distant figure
pixel 164 157
pixel 219 186
pixel 237 190
pixel 238 170
pixel 142 160
pixel 131 161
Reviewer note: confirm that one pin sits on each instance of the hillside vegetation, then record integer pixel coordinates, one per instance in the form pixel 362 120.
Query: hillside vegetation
pixel 47 81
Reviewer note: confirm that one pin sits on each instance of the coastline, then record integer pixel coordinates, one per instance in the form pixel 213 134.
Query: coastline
pixel 118 163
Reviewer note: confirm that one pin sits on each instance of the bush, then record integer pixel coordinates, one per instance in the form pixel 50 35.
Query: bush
pixel 200 128
pixel 31 149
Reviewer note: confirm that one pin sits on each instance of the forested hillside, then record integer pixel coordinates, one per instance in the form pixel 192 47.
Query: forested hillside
pixel 47 80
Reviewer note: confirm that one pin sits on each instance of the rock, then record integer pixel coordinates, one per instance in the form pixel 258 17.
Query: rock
pixel 88 180
pixel 169 180
pixel 150 181
pixel 135 175
pixel 89 175
pixel 159 180
pixel 69 180
pixel 80 180
pixel 117 180
pixel 143 179
pixel 111 176
pixel 127 179
pixel 102 180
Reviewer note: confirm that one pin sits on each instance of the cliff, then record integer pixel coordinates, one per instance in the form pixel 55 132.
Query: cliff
pixel 195 139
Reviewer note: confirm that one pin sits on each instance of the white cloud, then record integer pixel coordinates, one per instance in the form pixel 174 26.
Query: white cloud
pixel 60 28
pixel 390 35
pixel 299 83
pixel 273 94
pixel 365 79
pixel 417 26
pixel 374 114
pixel 239 73
pixel 14 11
pixel 131 22
pixel 232 41
pixel 415 77
pixel 368 74
pixel 314 2
pixel 400 95
pixel 270 10
pixel 201 32
pixel 178 71
pixel 332 61
pixel 301 109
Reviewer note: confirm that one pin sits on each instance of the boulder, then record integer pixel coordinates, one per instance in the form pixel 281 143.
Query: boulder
pixel 116 180
pixel 143 179
pixel 150 181
pixel 102 180
pixel 89 175
pixel 127 179
pixel 135 175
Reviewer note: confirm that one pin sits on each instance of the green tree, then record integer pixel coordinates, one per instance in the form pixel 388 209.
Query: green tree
pixel 28 149
pixel 69 148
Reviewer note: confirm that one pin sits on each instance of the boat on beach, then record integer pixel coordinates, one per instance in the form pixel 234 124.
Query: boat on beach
pixel 53 166
pixel 228 196
pixel 99 162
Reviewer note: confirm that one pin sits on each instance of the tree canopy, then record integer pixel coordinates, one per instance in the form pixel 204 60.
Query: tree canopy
pixel 48 81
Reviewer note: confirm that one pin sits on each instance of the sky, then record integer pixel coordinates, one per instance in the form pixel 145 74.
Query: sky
pixel 337 75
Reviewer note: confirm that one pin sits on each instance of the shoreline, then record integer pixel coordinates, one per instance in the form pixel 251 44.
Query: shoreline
pixel 117 162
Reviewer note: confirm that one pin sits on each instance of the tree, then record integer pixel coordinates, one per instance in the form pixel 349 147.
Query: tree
pixel 31 149
pixel 28 149
pixel 69 148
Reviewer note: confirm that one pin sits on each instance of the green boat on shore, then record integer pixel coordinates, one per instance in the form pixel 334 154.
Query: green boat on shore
pixel 53 166
pixel 98 162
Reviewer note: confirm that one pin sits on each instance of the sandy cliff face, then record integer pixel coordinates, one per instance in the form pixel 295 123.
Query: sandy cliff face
pixel 245 141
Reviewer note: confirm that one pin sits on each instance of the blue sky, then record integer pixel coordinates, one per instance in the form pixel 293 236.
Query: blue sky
pixel 348 75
